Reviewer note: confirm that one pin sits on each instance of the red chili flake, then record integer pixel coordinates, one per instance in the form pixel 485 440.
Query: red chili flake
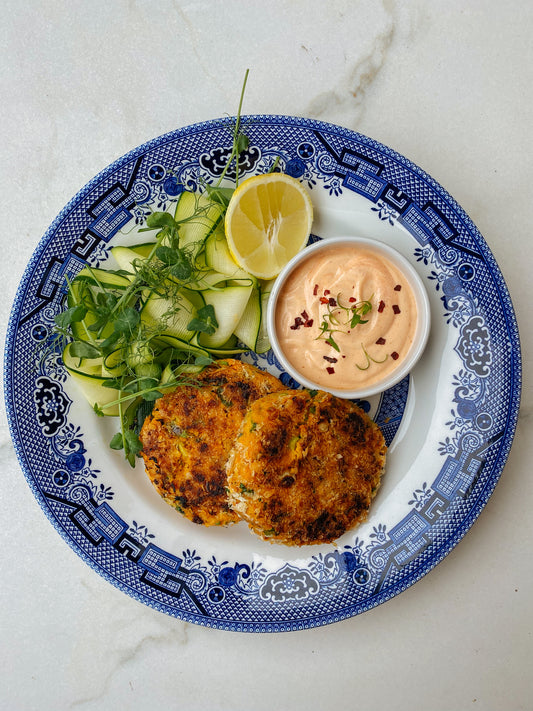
pixel 326 292
pixel 324 300
pixel 330 359
pixel 381 307
pixel 396 309
pixel 380 342
pixel 394 356
pixel 315 290
pixel 332 301
pixel 398 287
pixel 330 370
pixel 302 320
pixel 352 299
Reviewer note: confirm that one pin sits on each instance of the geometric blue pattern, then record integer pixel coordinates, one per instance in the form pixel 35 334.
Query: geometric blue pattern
pixel 251 594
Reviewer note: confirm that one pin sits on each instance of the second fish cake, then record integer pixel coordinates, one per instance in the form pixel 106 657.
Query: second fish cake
pixel 187 439
pixel 305 467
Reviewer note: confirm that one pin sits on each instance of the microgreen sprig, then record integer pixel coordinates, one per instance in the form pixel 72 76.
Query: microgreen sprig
pixel 102 321
pixel 240 140
pixel 369 359
pixel 340 318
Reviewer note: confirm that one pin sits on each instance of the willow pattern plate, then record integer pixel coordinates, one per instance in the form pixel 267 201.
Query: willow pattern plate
pixel 449 425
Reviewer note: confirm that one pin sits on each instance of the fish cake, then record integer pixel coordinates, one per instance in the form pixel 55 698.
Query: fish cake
pixel 305 467
pixel 187 438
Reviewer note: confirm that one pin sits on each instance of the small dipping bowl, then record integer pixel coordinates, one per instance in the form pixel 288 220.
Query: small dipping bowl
pixel 326 249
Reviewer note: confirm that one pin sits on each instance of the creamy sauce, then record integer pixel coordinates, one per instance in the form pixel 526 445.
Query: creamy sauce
pixel 318 302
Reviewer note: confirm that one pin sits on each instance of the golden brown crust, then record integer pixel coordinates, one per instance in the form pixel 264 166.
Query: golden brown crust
pixel 305 467
pixel 187 439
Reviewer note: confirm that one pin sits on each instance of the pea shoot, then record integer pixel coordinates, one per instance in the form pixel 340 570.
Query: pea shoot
pixel 132 333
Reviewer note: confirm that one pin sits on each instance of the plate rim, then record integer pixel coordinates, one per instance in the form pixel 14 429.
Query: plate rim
pixel 466 522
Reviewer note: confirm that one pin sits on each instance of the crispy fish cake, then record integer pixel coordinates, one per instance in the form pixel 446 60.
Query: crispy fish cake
pixel 187 439
pixel 305 467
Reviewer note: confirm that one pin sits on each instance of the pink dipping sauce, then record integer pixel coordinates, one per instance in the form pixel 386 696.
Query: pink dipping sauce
pixel 312 298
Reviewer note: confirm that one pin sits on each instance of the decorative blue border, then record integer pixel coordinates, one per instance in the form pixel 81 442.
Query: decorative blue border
pixel 473 454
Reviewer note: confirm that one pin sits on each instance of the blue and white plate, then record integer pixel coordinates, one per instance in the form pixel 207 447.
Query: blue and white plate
pixel 449 425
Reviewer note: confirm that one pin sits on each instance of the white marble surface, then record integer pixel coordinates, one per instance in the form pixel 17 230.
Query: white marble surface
pixel 445 82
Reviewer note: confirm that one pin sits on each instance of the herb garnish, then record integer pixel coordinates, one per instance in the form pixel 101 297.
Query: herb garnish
pixel 368 359
pixel 341 319
pixel 103 336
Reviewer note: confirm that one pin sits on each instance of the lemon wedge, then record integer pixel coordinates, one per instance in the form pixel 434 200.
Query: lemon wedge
pixel 268 221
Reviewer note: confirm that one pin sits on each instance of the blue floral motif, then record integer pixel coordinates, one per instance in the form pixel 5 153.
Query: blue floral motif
pixel 75 461
pixel 460 309
pixel 334 186
pixel 242 580
pixel 140 213
pixel 424 255
pixel 439 278
pixel 327 567
pixel 289 583
pixel 484 421
pixel 39 333
pixel 448 447
pixel 248 578
pixel 295 167
pixel 53 367
pixel 191 559
pixel 354 563
pixel 172 187
pixel 466 271
pixel 140 533
pixel 474 347
pixel 350 561
pixel 379 534
pixel 156 172
pixel 385 212
pixel 467 384
pixel 361 576
pixel 101 254
pixel 103 493
pixel 466 409
pixel 215 161
pixel 88 472
pixel 161 198
pixel 421 496
pixel 69 439
pixel 61 478
pixel 452 286
pixel 354 550
pixel 52 405
pixel 457 421
pixel 306 150
pixel 228 576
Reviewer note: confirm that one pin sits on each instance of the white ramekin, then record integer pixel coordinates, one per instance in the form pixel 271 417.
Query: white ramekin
pixel 422 305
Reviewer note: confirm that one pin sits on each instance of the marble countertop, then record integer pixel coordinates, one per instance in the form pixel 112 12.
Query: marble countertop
pixel 446 83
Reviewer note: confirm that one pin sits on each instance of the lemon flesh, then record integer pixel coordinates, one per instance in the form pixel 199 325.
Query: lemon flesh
pixel 268 221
